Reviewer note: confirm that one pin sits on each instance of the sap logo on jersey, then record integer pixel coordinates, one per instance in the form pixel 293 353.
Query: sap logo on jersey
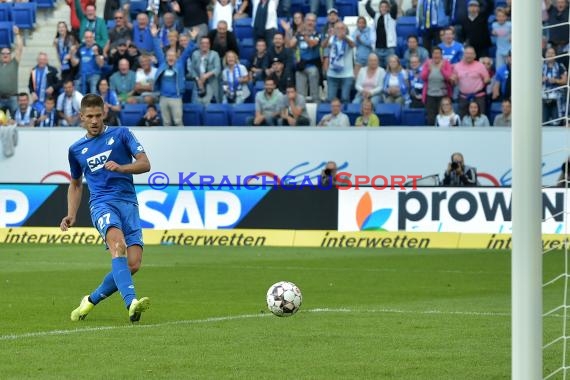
pixel 97 161
pixel 200 209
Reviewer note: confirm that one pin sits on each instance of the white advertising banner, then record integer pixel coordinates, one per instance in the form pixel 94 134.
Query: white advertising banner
pixel 471 210
pixel 40 155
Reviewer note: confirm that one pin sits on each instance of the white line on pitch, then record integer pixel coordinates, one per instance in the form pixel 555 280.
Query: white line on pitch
pixel 245 316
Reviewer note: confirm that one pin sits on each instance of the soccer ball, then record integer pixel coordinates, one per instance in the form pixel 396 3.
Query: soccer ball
pixel 284 299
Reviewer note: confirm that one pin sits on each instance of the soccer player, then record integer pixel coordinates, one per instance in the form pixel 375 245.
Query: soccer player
pixel 105 157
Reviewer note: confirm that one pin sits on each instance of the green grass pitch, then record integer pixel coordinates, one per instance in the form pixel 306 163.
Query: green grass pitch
pixel 366 314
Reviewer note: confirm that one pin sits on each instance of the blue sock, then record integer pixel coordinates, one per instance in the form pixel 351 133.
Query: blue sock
pixel 104 290
pixel 123 279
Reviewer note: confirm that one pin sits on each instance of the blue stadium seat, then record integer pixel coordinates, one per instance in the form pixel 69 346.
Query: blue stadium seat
pixel 6 11
pixel 240 113
pixel 246 48
pixel 45 4
pixel 321 21
pixel 110 24
pixel 136 7
pixel 24 15
pixel 322 110
pixel 496 108
pixel 414 117
pixel 406 26
pixel 259 86
pixel 217 115
pixel 242 28
pixel 299 6
pixel 6 33
pixel 132 113
pixel 390 114
pixel 192 115
pixel 352 110
pixel 346 8
pixel 188 89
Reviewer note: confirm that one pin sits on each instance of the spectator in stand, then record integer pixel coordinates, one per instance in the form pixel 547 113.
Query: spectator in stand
pixel 558 15
pixel 223 11
pixel 264 19
pixel 296 26
pixel 340 75
pixel 170 79
pixel 472 79
pixel 280 76
pixel 43 81
pixel 63 42
pixel 151 117
pixel 488 63
pixel 9 67
pixel 315 4
pixel 336 118
pixel 437 75
pixel 460 13
pixel 458 174
pixel 169 24
pixel 172 42
pixel 123 82
pixel 73 19
pixel 204 68
pixel 240 9
pixel 25 115
pixel 267 105
pixel 370 81
pixel 414 49
pixel 396 87
pixel 502 85
pixel 194 15
pixel 413 10
pixel 259 62
pixel 47 117
pixel 554 75
pixel 451 49
pixel 234 80
pixel 365 40
pixel 89 21
pixel 385 28
pixel 293 110
pixel 284 55
pixel 501 36
pixel 504 118
pixel 144 81
pixel 69 105
pixel 222 40
pixel 328 31
pixel 431 18
pixel 476 29
pixel 110 118
pixel 110 98
pixel 120 53
pixel 446 117
pixel 133 55
pixel 89 58
pixel 111 6
pixel 121 32
pixel 475 118
pixel 367 117
pixel 142 37
pixel 307 41
pixel 416 83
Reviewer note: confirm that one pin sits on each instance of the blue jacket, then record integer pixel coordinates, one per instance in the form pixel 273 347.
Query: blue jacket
pixel 179 67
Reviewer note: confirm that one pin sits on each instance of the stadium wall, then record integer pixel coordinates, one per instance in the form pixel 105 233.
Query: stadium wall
pixel 41 155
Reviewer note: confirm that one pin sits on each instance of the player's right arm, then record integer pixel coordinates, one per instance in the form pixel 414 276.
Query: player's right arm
pixel 74 193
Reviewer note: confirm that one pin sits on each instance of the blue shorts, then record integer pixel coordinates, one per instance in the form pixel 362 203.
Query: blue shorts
pixel 120 214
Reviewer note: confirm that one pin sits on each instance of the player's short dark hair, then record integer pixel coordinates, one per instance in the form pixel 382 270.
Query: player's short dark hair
pixel 92 100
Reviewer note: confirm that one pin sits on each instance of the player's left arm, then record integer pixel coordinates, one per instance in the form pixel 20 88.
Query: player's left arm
pixel 141 165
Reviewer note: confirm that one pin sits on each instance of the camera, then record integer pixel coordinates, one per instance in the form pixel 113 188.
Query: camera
pixel 455 165
pixel 328 172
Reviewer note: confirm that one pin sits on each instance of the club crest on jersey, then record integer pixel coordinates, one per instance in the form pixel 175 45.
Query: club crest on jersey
pixel 110 141
pixel 97 161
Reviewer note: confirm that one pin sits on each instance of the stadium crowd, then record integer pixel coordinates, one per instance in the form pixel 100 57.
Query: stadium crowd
pixel 454 62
